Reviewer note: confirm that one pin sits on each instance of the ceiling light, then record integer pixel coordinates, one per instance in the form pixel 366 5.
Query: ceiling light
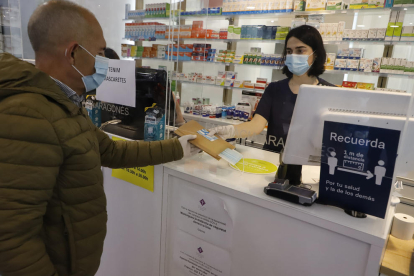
pixel 379 16
pixel 272 21
pixel 250 8
pixel 361 26
pixel 405 9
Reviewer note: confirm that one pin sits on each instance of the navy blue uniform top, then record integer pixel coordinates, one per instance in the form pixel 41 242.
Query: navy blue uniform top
pixel 276 106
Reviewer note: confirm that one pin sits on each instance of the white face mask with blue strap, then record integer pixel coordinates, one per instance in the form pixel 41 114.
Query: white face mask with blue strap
pixel 93 81
pixel 298 64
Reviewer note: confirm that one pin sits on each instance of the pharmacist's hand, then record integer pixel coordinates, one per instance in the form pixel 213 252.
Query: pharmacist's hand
pixel 225 132
pixel 188 149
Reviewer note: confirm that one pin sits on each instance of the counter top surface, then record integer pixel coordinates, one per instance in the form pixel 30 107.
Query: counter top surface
pixel 219 176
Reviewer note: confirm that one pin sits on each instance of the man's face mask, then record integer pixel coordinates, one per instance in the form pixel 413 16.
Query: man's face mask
pixel 92 82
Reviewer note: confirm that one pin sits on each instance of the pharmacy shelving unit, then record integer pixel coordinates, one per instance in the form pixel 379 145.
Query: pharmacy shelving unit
pixel 352 17
pixel 10 28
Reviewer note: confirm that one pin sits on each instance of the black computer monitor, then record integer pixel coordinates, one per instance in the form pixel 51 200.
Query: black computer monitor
pixel 151 88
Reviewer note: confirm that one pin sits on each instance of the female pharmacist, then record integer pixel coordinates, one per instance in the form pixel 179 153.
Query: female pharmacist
pixel 304 56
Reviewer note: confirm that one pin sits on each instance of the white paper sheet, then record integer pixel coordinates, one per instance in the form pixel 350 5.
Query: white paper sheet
pixel 119 84
pixel 195 257
pixel 204 216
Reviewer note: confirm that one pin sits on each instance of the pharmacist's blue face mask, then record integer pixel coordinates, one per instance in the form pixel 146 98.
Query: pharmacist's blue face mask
pixel 298 64
pixel 92 82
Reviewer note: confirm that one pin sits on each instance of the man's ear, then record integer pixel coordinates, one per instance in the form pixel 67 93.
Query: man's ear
pixel 71 51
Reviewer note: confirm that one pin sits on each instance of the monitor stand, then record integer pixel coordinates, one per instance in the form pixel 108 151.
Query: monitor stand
pixel 355 214
pixel 294 174
pixel 291 172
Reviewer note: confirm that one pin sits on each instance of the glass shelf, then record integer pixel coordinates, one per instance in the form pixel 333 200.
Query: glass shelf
pixel 272 15
pixel 335 42
pixel 333 72
pixel 221 86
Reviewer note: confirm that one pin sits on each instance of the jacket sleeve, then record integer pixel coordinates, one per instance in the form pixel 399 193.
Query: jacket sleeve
pixel 128 154
pixel 29 165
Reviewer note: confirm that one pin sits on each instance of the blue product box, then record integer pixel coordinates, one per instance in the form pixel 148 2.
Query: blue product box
pixel 268 32
pixel 274 31
pixel 243 32
pixel 260 31
pixel 250 31
pixel 389 3
pixel 253 32
pixel 93 107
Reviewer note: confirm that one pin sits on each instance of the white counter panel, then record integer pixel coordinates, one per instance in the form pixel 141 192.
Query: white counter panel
pixel 270 243
pixel 132 243
pixel 205 171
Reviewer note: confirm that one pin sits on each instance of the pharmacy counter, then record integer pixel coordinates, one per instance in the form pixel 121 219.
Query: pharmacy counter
pixel 271 236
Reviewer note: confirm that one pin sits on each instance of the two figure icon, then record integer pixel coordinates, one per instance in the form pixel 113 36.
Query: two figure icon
pixel 379 171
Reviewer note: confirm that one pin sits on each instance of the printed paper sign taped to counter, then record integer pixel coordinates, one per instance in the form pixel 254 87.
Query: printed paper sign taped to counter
pixel 142 177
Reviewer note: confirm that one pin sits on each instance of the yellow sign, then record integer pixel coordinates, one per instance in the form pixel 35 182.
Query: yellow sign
pixel 255 166
pixel 142 177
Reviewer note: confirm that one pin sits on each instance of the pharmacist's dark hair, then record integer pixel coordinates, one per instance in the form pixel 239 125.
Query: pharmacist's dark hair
pixel 311 37
pixel 110 53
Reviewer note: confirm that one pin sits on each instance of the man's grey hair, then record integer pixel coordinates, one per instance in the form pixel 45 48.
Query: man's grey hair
pixel 57 23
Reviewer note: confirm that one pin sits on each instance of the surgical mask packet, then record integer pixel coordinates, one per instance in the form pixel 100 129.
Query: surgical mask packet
pixel 231 155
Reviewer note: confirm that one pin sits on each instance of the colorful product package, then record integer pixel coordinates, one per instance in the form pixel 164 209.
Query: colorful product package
pixel 365 65
pixel 384 65
pixel 372 34
pixel 376 65
pixel 340 64
pixel 299 5
pixel 334 5
pixel 366 86
pixel 342 54
pixel 315 5
pixel 352 64
pixel 349 84
pixel 330 61
pixel 355 53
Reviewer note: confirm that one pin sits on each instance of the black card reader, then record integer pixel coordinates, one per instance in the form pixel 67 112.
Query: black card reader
pixel 295 194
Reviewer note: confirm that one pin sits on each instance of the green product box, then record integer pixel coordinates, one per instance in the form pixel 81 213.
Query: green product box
pixel 246 58
pixel 252 57
pixel 390 31
pixel 140 48
pixel 237 32
pixel 281 35
pixel 397 30
pixel 139 54
pixel 334 5
pixel 258 59
pixel 283 29
pixel 167 10
pixel 173 85
pixel 282 32
pixel 300 5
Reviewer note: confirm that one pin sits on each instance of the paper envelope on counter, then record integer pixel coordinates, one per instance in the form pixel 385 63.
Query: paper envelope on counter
pixel 211 145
